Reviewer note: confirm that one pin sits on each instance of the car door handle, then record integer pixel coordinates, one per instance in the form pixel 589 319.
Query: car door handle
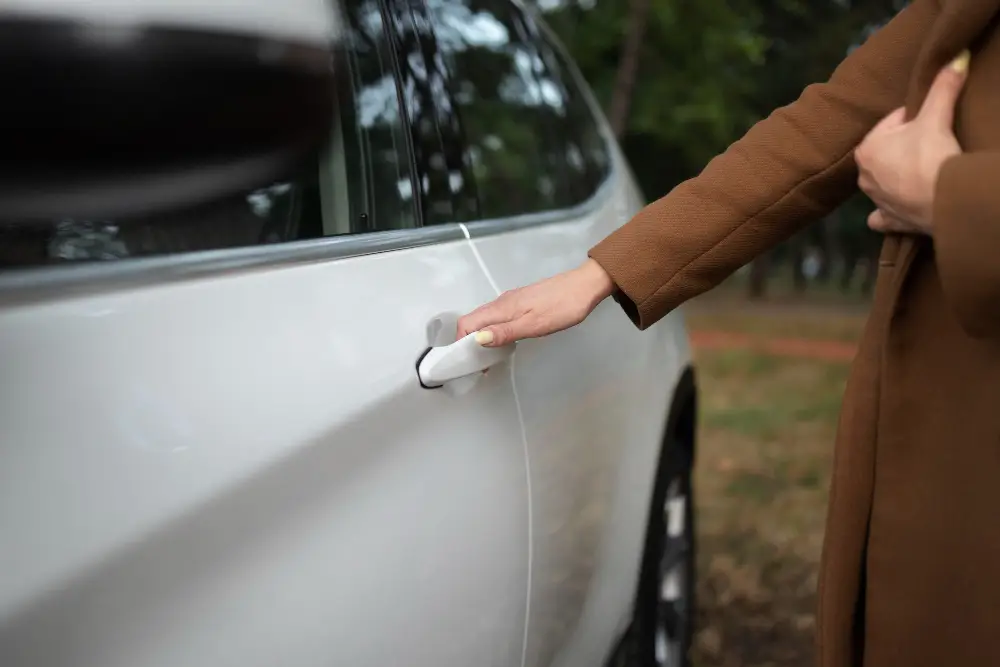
pixel 464 357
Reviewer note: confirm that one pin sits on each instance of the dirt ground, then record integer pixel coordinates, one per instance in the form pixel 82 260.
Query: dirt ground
pixel 771 377
pixel 822 350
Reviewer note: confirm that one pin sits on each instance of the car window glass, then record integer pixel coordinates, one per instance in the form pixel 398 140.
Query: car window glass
pixel 586 160
pixel 362 183
pixel 447 187
pixel 378 166
pixel 506 105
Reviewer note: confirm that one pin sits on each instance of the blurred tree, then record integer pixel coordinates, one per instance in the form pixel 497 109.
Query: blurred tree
pixel 682 79
pixel 628 65
pixel 859 245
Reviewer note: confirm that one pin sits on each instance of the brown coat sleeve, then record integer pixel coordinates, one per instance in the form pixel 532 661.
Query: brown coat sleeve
pixel 788 170
pixel 967 239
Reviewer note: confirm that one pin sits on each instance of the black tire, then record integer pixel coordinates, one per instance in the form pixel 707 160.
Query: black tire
pixel 668 616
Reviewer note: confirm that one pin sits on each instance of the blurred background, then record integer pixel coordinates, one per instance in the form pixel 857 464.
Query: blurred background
pixel 680 80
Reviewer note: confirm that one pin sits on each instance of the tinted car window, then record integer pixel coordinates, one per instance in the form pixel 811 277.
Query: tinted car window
pixel 585 156
pixel 280 212
pixel 363 183
pixel 532 141
pixel 506 103
pixel 378 166
pixel 447 188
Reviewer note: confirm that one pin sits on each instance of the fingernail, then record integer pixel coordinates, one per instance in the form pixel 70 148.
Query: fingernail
pixel 484 337
pixel 961 63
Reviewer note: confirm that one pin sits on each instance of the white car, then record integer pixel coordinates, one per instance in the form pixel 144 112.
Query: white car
pixel 241 433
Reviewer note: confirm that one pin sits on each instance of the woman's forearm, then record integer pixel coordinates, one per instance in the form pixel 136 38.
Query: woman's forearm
pixel 788 170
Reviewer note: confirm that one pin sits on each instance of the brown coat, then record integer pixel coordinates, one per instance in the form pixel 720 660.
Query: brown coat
pixel 911 567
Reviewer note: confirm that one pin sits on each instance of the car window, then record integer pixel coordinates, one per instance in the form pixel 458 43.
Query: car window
pixel 378 165
pixel 586 159
pixel 362 183
pixel 506 107
pixel 447 189
pixel 530 137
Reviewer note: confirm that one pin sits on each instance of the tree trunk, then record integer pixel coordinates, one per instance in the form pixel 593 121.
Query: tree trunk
pixel 871 271
pixel 628 65
pixel 760 267
pixel 799 281
pixel 829 249
pixel 850 268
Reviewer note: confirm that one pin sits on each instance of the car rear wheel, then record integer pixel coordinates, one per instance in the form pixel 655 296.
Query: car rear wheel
pixel 663 623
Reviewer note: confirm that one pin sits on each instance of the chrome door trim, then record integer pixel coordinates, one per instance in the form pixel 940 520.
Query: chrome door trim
pixel 73 279
pixel 35 284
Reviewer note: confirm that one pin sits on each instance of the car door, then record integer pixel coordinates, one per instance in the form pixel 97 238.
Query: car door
pixel 551 183
pixel 214 448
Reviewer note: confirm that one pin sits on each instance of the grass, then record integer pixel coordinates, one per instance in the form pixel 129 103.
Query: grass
pixel 767 426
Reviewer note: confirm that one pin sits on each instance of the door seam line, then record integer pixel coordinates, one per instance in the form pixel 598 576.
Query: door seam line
pixel 527 454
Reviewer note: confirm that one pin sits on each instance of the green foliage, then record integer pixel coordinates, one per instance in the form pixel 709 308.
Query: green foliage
pixel 709 68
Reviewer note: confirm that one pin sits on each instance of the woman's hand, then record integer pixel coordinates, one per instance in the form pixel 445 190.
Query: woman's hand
pixel 541 309
pixel 898 162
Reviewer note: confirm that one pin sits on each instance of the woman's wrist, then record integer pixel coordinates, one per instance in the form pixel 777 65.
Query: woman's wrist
pixel 596 281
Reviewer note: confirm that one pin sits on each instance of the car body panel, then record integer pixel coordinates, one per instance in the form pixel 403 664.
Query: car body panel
pixel 242 469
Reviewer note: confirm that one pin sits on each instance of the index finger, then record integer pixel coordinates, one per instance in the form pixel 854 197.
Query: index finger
pixel 896 117
pixel 484 316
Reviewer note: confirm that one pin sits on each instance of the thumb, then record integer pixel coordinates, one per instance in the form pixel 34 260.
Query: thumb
pixel 939 105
